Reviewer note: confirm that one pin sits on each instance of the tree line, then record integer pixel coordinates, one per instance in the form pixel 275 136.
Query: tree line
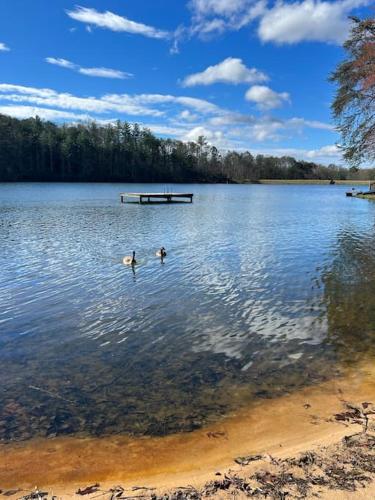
pixel 36 150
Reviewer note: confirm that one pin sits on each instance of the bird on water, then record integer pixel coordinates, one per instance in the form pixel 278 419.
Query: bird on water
pixel 129 260
pixel 161 253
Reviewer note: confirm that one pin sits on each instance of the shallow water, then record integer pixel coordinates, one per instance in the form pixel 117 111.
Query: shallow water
pixel 265 289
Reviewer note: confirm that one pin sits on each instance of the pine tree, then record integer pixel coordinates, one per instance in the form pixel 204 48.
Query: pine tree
pixel 354 104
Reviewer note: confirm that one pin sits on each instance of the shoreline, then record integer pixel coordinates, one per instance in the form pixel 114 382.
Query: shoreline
pixel 325 182
pixel 313 182
pixel 282 428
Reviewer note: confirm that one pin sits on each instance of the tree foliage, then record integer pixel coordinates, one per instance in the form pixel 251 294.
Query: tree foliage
pixel 354 104
pixel 34 150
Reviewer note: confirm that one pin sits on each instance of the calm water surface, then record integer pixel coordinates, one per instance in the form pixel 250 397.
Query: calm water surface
pixel 264 289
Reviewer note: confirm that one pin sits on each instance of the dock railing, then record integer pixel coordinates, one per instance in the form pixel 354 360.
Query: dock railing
pixel 157 197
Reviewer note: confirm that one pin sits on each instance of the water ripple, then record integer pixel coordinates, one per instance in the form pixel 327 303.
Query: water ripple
pixel 253 295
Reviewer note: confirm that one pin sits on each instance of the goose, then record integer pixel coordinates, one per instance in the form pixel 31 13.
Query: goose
pixel 129 261
pixel 161 253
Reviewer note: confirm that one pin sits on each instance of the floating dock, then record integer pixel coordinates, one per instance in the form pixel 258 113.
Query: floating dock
pixel 156 197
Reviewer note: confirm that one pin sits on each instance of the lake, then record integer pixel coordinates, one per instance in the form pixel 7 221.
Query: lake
pixel 265 289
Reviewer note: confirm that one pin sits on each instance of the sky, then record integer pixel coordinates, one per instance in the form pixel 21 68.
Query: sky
pixel 246 74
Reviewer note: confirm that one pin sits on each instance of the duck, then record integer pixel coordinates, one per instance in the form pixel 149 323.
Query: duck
pixel 129 260
pixel 161 253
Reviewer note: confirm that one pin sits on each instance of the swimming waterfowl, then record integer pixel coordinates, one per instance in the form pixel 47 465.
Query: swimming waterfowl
pixel 161 253
pixel 129 261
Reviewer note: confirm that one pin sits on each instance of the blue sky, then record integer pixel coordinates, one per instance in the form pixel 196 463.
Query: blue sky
pixel 247 74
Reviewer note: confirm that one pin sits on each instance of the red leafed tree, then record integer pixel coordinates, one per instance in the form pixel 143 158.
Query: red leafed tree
pixel 354 104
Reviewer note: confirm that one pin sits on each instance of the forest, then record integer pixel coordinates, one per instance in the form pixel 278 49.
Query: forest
pixel 36 150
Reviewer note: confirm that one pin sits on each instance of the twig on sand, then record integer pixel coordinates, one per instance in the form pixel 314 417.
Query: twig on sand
pixel 88 490
pixel 52 394
pixel 136 488
pixel 247 460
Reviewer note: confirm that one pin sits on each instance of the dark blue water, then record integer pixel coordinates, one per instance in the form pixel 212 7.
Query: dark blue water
pixel 265 288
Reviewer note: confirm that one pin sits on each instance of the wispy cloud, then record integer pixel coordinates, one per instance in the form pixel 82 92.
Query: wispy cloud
pixel 231 70
pixel 325 154
pixel 214 17
pixel 199 105
pixel 218 7
pixel 105 73
pixel 22 112
pixel 63 63
pixel 114 22
pixel 136 105
pixel 66 101
pixel 188 116
pixel 4 48
pixel 98 72
pixel 217 16
pixel 312 124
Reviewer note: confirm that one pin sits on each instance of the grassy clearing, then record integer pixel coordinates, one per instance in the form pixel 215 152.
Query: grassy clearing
pixel 366 197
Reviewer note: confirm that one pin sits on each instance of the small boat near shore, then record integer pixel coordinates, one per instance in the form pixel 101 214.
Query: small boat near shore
pixel 355 193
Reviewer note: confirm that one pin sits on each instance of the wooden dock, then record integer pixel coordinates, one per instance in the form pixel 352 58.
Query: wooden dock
pixel 157 197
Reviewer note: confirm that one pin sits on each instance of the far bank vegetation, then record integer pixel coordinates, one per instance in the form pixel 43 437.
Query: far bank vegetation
pixel 35 150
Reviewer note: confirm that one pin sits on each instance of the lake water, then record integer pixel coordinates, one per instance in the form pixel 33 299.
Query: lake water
pixel 265 289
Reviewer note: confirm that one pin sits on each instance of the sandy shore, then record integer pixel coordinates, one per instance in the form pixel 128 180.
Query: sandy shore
pixel 280 428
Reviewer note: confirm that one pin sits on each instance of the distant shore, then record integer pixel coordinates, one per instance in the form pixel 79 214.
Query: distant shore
pixel 325 182
pixel 312 181
pixel 320 438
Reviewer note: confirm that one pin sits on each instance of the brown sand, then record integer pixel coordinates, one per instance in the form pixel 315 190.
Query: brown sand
pixel 281 427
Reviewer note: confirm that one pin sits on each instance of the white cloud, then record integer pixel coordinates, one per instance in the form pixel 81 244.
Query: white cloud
pixel 231 70
pixel 325 154
pixel 213 17
pixel 266 98
pixel 47 97
pixel 3 47
pixel 214 137
pixel 312 20
pixel 212 26
pixel 232 118
pixel 264 131
pixel 216 16
pixel 241 128
pixel 283 23
pixel 200 105
pixel 188 116
pixel 44 113
pixel 105 73
pixel 233 13
pixel 166 130
pixel 311 124
pixel 136 105
pixel 217 7
pixel 98 72
pixel 63 63
pixel 331 151
pixel 114 22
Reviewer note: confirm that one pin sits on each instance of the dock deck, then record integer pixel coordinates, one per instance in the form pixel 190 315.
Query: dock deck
pixel 157 197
